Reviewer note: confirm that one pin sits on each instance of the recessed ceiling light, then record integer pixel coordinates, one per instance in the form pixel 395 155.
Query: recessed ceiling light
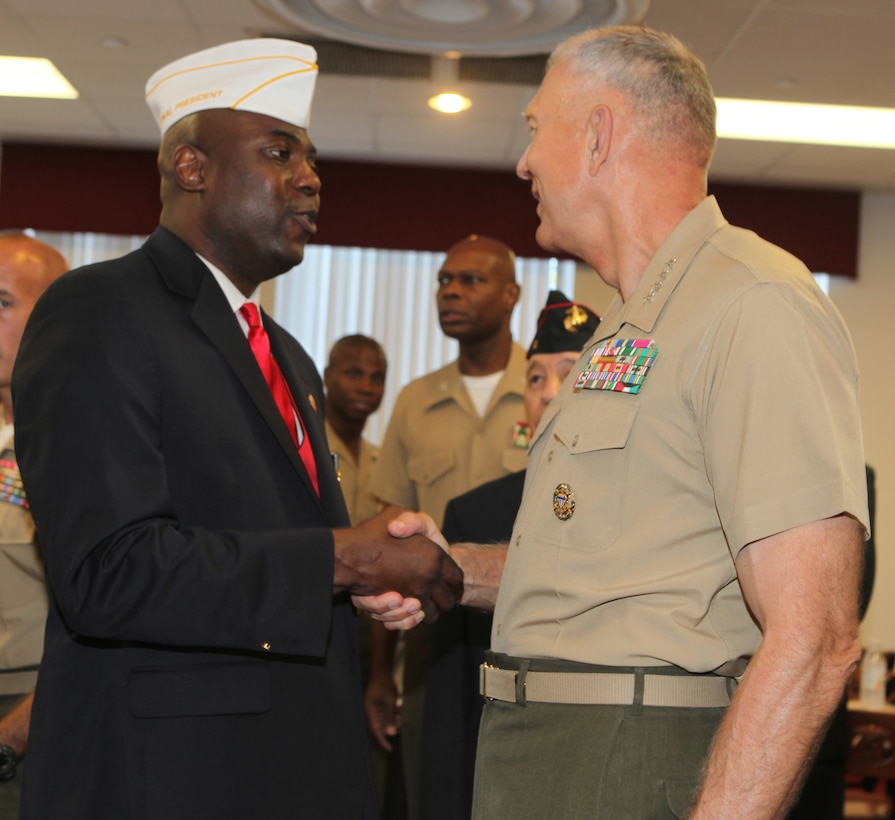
pixel 845 125
pixel 33 77
pixel 449 103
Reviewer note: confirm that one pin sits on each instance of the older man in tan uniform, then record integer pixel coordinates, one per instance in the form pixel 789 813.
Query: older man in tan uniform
pixel 677 616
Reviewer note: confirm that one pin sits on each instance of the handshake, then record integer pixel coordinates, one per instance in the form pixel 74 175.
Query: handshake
pixel 397 566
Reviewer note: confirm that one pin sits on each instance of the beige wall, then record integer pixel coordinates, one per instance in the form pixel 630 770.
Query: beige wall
pixel 591 290
pixel 868 305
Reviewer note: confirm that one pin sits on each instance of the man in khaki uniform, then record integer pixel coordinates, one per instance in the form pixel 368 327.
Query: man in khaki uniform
pixel 450 431
pixel 677 616
pixel 486 513
pixel 354 379
pixel 26 268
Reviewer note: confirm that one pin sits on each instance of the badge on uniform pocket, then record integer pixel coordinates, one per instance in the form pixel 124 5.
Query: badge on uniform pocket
pixel 563 502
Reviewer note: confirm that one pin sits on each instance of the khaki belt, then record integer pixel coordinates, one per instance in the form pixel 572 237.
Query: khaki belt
pixel 605 688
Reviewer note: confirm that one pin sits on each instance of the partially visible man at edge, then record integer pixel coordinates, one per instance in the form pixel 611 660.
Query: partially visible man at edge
pixel 27 266
pixel 201 655
pixel 695 499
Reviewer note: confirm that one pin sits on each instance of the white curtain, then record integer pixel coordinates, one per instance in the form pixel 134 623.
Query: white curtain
pixel 390 295
pixel 85 248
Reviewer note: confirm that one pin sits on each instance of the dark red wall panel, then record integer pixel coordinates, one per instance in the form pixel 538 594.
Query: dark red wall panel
pixel 818 226
pixel 73 188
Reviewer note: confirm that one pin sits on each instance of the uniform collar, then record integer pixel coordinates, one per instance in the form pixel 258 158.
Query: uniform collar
pixel 447 383
pixel 665 271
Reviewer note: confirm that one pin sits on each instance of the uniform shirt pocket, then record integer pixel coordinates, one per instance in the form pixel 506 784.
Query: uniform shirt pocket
pixel 427 468
pixel 585 451
pixel 514 459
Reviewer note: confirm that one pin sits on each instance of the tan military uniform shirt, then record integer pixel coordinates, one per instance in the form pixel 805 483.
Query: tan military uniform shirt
pixel 437 447
pixel 746 425
pixel 23 594
pixel 356 479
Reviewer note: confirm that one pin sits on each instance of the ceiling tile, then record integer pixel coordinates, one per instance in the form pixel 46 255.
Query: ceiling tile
pixel 814 50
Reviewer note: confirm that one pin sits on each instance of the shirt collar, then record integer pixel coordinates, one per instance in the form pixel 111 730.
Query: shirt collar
pixel 6 434
pixel 235 298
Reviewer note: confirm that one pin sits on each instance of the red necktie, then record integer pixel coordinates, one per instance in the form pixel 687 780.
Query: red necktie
pixel 260 344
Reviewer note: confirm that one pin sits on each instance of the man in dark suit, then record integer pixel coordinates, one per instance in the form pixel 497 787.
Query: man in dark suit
pixel 201 657
pixel 486 515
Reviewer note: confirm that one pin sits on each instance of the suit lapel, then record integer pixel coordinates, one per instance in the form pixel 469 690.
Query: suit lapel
pixel 184 273
pixel 309 402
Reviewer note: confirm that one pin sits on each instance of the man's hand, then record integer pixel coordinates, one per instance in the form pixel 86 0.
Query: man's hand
pixel 383 708
pixel 14 727
pixel 482 564
pixel 410 523
pixel 391 609
pixel 370 561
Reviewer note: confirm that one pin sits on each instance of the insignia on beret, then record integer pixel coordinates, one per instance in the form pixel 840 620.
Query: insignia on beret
pixel 563 326
pixel 575 317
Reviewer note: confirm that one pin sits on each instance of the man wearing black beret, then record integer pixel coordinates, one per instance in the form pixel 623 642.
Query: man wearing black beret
pixel 485 515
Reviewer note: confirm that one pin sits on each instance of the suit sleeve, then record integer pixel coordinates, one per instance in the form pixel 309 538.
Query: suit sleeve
pixel 128 559
pixel 453 523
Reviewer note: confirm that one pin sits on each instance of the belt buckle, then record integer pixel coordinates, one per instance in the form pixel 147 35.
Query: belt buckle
pixel 518 686
pixel 483 676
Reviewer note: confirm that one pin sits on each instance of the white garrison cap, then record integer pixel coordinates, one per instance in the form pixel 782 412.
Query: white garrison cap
pixel 264 75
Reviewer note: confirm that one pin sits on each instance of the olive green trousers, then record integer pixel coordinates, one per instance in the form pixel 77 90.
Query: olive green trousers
pixel 546 760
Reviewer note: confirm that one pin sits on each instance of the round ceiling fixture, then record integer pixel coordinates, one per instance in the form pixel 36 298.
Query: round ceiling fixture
pixel 449 102
pixel 499 28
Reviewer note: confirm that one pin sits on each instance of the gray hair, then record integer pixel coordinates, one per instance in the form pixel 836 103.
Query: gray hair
pixel 665 83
